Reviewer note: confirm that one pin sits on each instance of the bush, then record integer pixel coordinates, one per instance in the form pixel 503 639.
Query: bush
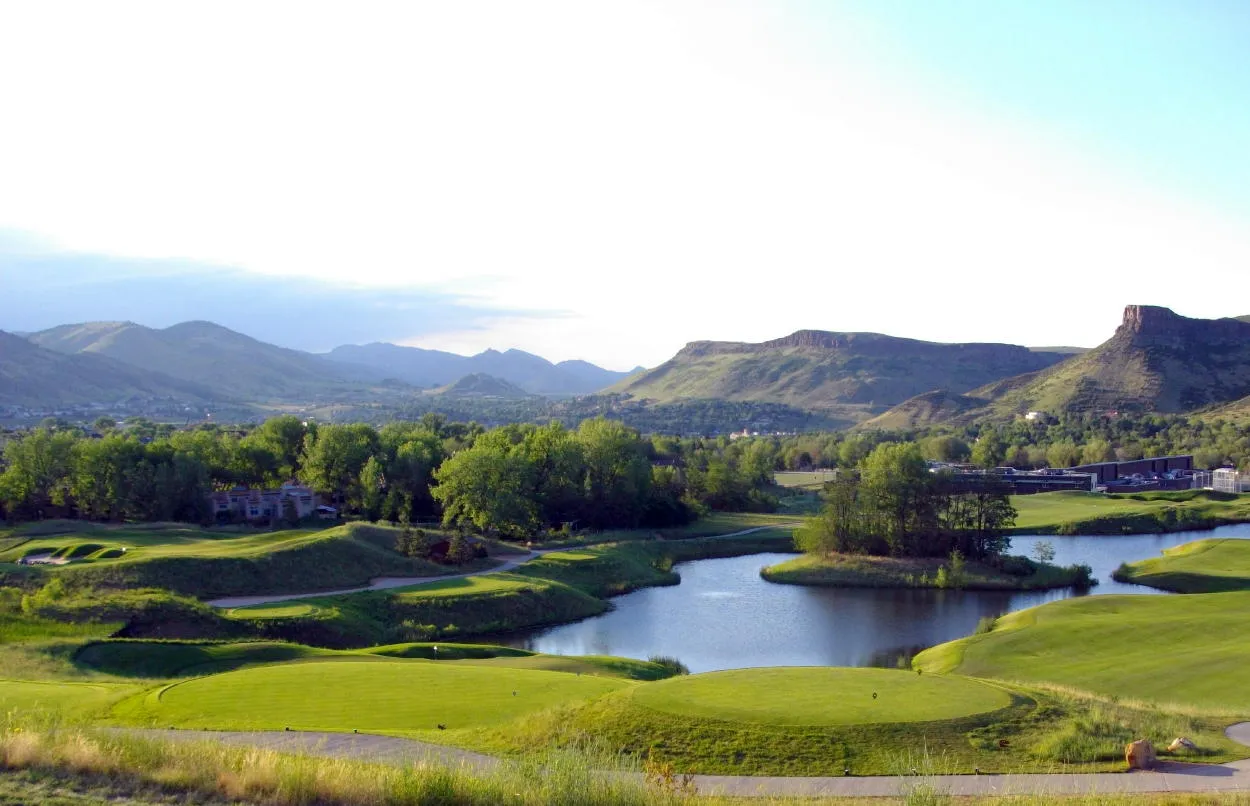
pixel 671 665
pixel 1084 576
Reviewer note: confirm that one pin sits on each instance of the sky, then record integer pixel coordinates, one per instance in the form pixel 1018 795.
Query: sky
pixel 608 181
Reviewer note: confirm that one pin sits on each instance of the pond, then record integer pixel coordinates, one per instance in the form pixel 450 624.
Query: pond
pixel 724 616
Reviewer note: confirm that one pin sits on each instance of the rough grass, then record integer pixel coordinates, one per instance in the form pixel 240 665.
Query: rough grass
pixel 861 571
pixel 389 696
pixel 1191 652
pixel 1203 566
pixel 821 696
pixel 1076 513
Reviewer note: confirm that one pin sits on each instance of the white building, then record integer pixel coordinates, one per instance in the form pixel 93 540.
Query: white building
pixel 1228 480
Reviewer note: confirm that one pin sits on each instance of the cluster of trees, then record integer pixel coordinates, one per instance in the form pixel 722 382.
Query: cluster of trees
pixel 894 506
pixel 513 480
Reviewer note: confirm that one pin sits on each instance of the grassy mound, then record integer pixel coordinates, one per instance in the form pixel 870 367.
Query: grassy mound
pixel 1187 651
pixel 1203 566
pixel 165 659
pixel 212 563
pixel 171 659
pixel 381 696
pixel 1079 513
pixel 821 696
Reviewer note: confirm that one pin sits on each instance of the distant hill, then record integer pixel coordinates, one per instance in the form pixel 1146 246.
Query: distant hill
pixel 1157 361
pixel 481 385
pixel 924 410
pixel 230 364
pixel 531 373
pixel 851 375
pixel 32 376
pixel 1061 350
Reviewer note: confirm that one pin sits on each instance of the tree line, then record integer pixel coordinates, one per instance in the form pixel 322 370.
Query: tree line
pixel 1028 444
pixel 512 480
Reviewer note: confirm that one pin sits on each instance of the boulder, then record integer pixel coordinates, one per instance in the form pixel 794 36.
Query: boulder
pixel 1140 755
pixel 1181 743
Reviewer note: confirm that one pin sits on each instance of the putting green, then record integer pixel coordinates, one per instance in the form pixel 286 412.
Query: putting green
pixel 380 696
pixel 821 696
pixel 275 610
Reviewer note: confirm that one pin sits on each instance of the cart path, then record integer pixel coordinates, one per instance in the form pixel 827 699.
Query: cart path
pixel 1169 777
pixel 385 583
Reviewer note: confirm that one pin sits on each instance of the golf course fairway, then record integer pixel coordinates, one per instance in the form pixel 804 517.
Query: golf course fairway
pixel 1188 651
pixel 821 696
pixel 378 696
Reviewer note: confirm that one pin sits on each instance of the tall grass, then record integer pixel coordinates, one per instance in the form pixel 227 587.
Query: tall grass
pixel 574 777
pixel 135 770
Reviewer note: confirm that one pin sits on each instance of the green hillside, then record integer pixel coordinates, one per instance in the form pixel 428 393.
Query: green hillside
pixel 851 374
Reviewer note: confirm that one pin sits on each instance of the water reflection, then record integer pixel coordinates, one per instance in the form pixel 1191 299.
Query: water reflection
pixel 724 616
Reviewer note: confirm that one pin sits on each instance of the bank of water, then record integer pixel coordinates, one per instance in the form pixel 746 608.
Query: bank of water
pixel 724 616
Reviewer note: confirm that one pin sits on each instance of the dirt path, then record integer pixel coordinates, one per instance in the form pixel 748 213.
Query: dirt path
pixel 1169 777
pixel 384 583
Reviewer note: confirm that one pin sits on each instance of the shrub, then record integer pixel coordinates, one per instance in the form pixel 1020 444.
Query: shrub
pixel 671 665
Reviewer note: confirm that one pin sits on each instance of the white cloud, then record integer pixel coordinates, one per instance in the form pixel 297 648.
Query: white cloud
pixel 665 171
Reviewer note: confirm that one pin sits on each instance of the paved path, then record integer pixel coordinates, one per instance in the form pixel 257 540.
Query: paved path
pixel 1169 777
pixel 384 583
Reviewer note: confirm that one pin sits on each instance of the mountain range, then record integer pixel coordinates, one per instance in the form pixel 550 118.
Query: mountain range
pixel 200 362
pixel 527 371
pixel 852 375
pixel 1157 361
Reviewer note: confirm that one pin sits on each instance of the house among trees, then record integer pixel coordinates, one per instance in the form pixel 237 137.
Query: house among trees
pixel 292 500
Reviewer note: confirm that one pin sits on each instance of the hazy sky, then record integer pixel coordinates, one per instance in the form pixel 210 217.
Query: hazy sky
pixel 611 180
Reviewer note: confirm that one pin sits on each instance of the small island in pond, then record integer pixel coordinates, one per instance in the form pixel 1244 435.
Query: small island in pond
pixel 895 524
pixel 866 571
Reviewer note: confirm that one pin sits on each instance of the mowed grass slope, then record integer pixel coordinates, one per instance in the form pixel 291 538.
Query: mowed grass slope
pixel 63 700
pixel 210 563
pixel 1136 513
pixel 395 696
pixel 1188 651
pixel 1203 566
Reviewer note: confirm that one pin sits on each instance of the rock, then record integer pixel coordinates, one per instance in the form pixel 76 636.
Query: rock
pixel 1181 743
pixel 1140 755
